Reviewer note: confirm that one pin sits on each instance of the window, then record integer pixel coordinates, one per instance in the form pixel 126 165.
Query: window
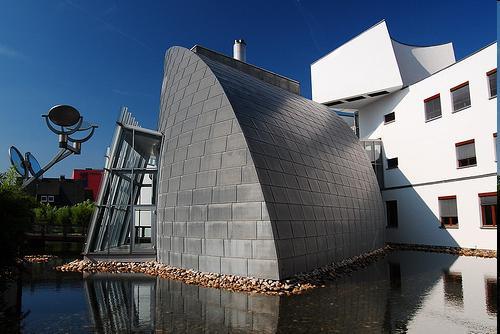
pixel 448 211
pixel 43 199
pixel 460 96
pixel 382 92
pixel 392 163
pixel 492 82
pixel 466 153
pixel 392 213
pixel 488 202
pixel 389 118
pixel 432 107
pixel 495 145
pixel 50 199
pixel 356 98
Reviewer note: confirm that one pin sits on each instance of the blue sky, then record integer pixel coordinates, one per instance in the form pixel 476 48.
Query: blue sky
pixel 101 55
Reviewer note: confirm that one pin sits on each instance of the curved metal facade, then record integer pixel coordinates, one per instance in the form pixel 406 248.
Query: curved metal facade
pixel 256 180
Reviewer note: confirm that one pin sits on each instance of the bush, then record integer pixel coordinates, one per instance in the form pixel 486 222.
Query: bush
pixel 81 213
pixel 78 214
pixel 63 215
pixel 16 216
pixel 46 213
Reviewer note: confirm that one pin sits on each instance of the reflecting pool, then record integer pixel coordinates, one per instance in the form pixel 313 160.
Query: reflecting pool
pixel 406 292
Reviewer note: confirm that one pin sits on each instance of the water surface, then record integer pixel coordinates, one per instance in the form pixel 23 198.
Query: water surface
pixel 405 292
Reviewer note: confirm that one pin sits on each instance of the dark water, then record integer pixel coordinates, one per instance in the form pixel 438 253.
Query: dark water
pixel 406 292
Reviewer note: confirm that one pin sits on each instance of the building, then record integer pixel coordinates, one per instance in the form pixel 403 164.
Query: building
pixel 250 178
pixel 91 180
pixel 57 191
pixel 436 118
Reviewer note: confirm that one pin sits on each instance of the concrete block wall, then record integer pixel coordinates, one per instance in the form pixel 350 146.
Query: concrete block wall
pixel 212 213
pixel 256 180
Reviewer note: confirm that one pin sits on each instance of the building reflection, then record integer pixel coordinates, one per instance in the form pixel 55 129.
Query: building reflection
pixel 408 291
pixel 453 289
pixel 491 295
pixel 121 303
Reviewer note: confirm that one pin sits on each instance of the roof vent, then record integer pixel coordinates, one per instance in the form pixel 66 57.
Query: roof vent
pixel 239 50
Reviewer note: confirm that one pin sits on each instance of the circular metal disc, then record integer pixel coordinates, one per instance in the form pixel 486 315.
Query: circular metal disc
pixel 33 165
pixel 16 159
pixel 64 115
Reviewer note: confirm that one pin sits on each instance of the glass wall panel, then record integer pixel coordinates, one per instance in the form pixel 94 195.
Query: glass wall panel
pixel 126 204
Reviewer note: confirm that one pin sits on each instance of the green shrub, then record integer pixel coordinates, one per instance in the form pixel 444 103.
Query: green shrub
pixel 16 216
pixel 63 215
pixel 81 213
pixel 46 213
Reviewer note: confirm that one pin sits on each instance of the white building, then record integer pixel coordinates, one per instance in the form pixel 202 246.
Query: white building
pixel 436 118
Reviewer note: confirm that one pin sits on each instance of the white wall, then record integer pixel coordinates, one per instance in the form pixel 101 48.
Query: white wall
pixel 363 65
pixel 426 151
pixel 418 62
pixel 418 215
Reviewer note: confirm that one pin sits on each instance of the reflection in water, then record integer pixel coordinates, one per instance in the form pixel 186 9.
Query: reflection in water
pixel 453 290
pixel 491 295
pixel 407 291
pixel 121 303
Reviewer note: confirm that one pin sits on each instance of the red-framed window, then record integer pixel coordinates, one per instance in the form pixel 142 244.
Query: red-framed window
pixel 460 96
pixel 488 202
pixel 448 213
pixel 466 153
pixel 492 82
pixel 432 107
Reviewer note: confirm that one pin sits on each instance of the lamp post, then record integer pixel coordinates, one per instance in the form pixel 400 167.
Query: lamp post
pixel 67 123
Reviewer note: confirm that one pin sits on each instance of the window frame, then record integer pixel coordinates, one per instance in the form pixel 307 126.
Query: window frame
pixel 429 99
pixel 490 72
pixel 43 199
pixel 392 159
pixel 389 225
pixel 449 219
pixel 391 121
pixel 495 146
pixel 483 213
pixel 463 143
pixel 50 198
pixel 457 87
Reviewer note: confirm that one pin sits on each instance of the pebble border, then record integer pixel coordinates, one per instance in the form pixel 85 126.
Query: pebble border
pixel 294 285
pixel 38 258
pixel 486 253
pixel 297 284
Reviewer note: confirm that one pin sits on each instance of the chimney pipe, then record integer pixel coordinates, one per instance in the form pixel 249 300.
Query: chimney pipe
pixel 239 50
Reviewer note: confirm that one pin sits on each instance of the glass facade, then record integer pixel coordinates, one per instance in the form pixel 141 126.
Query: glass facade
pixel 373 149
pixel 125 217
